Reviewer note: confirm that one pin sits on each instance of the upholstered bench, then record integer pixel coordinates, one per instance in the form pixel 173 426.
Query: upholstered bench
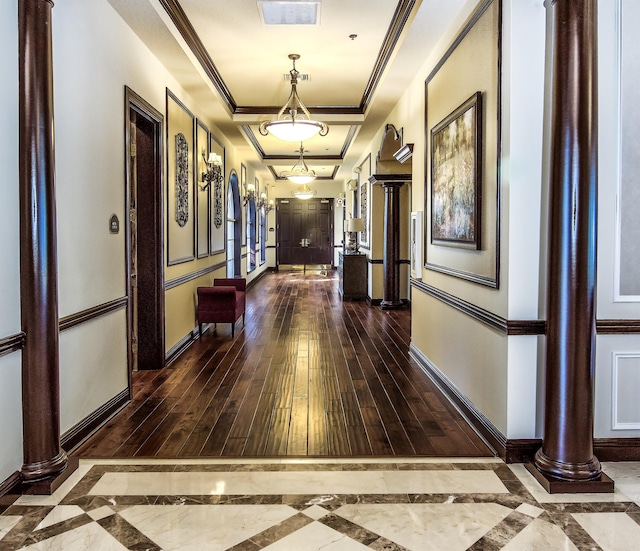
pixel 222 303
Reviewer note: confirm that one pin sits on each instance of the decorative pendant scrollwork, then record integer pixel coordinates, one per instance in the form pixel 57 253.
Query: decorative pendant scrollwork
pixel 182 180
pixel 217 200
pixel 364 211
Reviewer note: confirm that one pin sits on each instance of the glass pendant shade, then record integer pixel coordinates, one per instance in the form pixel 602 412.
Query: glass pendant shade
pixel 294 130
pixel 305 192
pixel 300 172
pixel 294 122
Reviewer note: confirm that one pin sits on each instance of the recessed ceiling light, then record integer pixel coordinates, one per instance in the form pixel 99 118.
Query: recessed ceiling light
pixel 289 12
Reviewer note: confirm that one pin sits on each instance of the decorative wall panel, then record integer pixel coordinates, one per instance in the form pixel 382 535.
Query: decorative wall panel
pixel 181 219
pixel 470 66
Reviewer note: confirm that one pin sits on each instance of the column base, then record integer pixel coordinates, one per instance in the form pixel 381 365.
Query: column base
pixel 391 305
pixel 37 481
pixel 601 484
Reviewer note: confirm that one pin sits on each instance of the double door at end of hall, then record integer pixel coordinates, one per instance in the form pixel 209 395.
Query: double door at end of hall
pixel 305 231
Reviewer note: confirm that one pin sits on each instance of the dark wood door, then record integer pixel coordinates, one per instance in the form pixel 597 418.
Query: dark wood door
pixel 305 231
pixel 144 240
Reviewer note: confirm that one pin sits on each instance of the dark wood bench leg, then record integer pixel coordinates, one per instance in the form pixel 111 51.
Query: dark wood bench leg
pixel 233 329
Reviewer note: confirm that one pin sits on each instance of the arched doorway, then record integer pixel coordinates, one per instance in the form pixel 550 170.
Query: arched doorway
pixel 234 228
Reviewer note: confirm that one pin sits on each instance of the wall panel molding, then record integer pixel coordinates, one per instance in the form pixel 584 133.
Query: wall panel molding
pixel 67 322
pixel 622 382
pixel 10 344
pixel 519 327
pixel 498 323
pixel 181 280
pixel 617 327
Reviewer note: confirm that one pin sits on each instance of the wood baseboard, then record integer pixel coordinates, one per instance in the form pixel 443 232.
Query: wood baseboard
pixel 85 428
pixel 517 450
pixel 10 490
pixel 483 427
pixel 180 347
pixel 617 449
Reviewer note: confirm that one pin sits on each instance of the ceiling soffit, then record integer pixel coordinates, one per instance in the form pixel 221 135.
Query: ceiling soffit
pixel 399 19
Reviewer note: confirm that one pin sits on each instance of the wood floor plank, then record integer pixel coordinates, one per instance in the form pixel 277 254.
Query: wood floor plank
pixel 306 375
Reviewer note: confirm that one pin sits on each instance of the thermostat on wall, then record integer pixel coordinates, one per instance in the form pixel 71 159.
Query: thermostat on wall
pixel 114 224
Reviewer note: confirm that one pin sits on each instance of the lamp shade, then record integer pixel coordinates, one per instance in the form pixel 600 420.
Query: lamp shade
pixel 214 159
pixel 355 225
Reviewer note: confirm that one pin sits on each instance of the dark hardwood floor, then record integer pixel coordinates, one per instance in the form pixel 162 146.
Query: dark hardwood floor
pixel 307 375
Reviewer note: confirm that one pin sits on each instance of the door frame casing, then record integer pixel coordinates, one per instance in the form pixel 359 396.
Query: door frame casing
pixel 156 118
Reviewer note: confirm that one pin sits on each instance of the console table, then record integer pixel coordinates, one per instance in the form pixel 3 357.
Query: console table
pixel 352 273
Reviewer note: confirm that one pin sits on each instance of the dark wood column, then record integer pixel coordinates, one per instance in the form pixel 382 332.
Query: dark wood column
pixel 391 184
pixel 566 460
pixel 43 457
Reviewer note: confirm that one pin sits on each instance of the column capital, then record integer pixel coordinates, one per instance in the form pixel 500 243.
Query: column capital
pixel 387 180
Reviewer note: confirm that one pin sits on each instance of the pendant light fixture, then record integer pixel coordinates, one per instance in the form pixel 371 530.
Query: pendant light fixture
pixel 300 172
pixel 294 122
pixel 304 192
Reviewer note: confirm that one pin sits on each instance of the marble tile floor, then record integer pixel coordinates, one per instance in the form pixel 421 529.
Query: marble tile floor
pixel 329 505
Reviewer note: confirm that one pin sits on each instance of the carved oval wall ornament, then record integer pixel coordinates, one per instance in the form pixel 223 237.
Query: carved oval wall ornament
pixel 182 180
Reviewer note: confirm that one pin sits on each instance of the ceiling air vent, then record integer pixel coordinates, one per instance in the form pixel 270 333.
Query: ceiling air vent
pixel 301 77
pixel 289 12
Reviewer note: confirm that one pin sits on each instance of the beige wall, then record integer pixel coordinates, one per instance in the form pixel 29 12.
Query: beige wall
pixel 89 110
pixel 498 374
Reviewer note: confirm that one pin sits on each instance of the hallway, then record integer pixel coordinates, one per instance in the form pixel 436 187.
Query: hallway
pixel 306 376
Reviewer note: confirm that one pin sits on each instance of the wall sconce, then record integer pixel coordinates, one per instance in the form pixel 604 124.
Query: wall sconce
pixel 214 170
pixel 352 227
pixel 249 194
pixel 263 203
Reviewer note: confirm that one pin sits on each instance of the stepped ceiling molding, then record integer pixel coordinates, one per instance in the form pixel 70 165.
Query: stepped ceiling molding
pixel 234 66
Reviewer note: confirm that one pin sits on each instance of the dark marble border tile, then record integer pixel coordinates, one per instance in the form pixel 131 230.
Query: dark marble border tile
pixel 576 533
pixel 281 530
pixel 503 532
pixel 57 529
pixel 126 534
pixel 31 517
pixel 349 529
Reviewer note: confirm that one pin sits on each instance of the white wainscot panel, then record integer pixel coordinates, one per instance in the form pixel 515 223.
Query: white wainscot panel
pixel 10 415
pixel 522 387
pixel 93 366
pixel 625 389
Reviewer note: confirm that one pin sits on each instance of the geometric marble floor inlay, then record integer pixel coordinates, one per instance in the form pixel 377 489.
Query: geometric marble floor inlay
pixel 331 505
